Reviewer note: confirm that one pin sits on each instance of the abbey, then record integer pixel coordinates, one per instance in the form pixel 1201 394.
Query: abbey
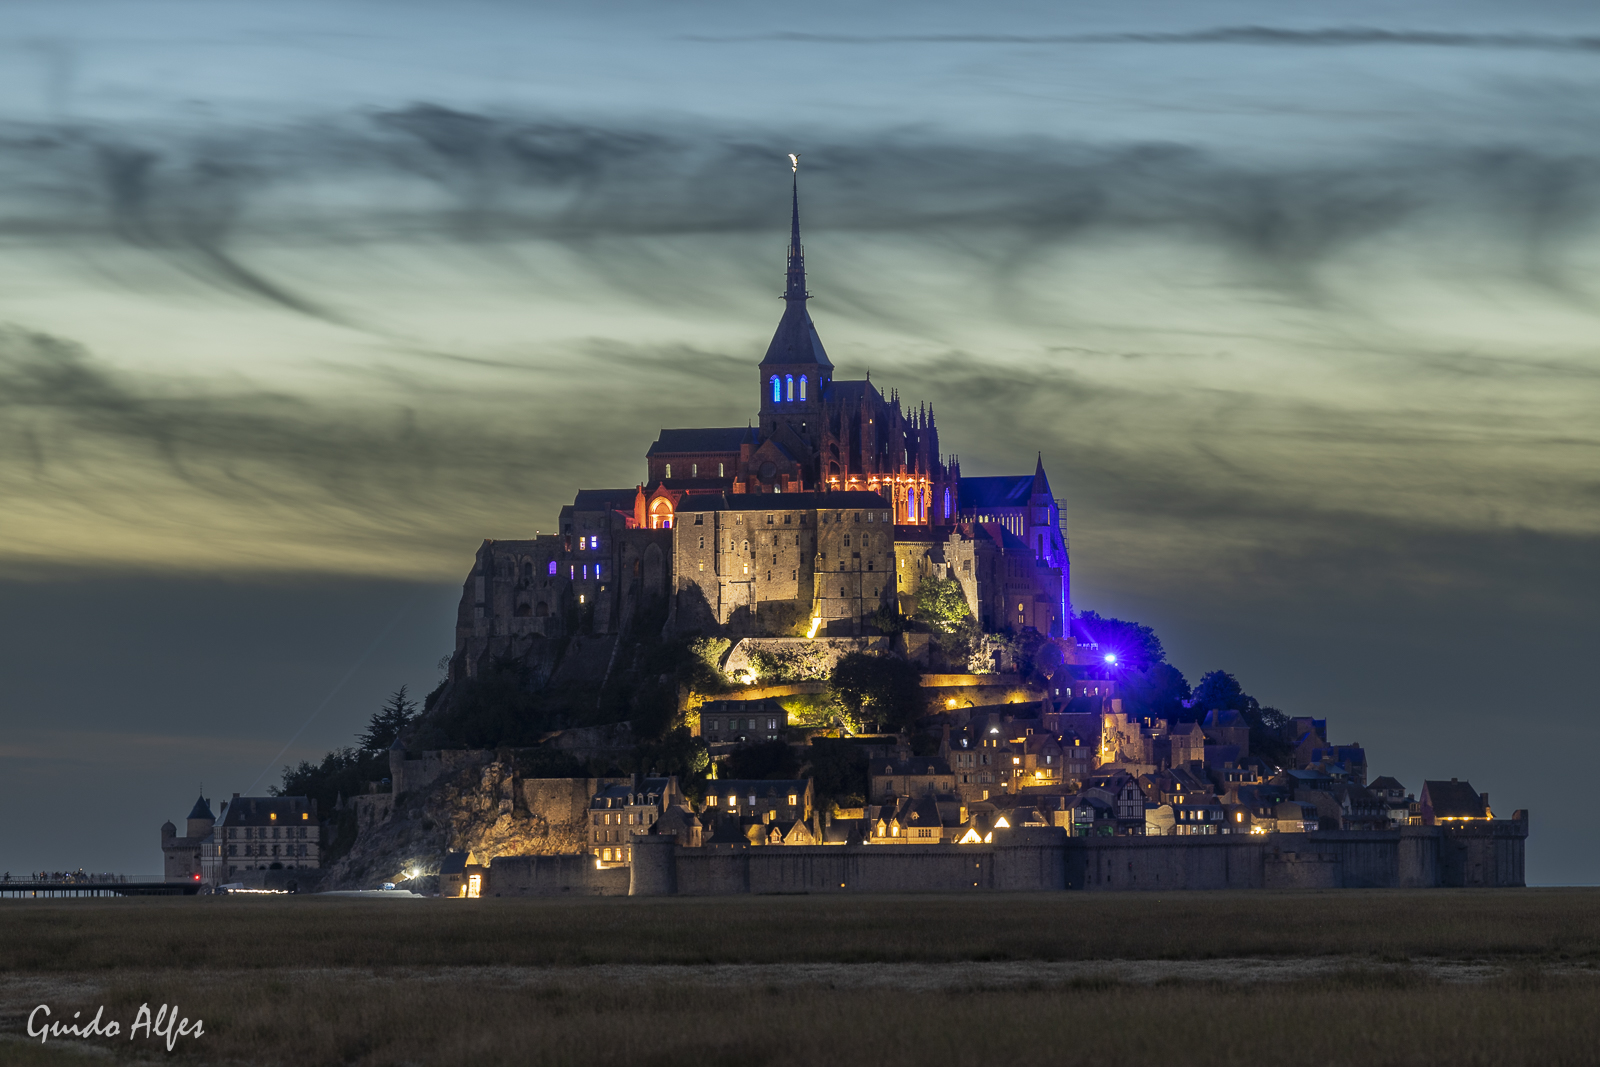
pixel 821 516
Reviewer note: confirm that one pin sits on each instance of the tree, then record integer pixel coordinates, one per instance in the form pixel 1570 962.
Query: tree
pixel 387 722
pixel 941 604
pixel 1159 692
pixel 889 689
pixel 344 772
pixel 1048 659
pixel 1134 644
pixel 1220 690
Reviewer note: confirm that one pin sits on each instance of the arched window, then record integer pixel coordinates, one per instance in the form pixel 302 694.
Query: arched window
pixel 527 571
pixel 947 503
pixel 552 566
pixel 789 382
pixel 540 610
pixel 802 387
pixel 669 470
pixel 722 470
pixel 777 390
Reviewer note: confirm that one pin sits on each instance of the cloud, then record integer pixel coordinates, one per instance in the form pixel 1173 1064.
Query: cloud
pixel 213 200
pixel 1328 37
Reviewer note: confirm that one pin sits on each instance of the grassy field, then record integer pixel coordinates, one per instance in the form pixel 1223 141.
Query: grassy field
pixel 1459 977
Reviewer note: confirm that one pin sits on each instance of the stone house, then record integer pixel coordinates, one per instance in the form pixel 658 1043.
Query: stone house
pixel 269 833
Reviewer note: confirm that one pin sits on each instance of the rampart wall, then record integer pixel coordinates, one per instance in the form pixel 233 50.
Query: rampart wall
pixel 1046 859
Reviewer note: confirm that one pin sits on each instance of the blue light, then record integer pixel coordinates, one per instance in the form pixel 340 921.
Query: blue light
pixel 1111 657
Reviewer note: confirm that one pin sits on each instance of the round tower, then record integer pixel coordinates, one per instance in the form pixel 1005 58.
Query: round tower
pixel 654 870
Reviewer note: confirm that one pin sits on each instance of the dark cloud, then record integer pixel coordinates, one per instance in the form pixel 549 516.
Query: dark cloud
pixel 210 199
pixel 1329 37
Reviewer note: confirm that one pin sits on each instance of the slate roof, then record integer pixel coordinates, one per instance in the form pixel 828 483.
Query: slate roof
pixel 917 767
pixel 605 499
pixel 258 811
pixel 762 788
pixel 795 340
pixel 1004 491
pixel 1386 784
pixel 1453 800
pixel 201 809
pixel 1224 718
pixel 781 501
pixel 454 863
pixel 704 439
pixel 850 391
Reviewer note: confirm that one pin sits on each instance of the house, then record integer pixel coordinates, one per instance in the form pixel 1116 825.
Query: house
pixel 731 723
pixel 766 801
pixel 909 821
pixel 910 777
pixel 460 877
pixel 262 833
pixel 1224 726
pixel 1453 801
pixel 793 832
pixel 617 812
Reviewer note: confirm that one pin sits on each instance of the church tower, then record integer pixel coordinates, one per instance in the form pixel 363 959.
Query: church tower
pixel 796 372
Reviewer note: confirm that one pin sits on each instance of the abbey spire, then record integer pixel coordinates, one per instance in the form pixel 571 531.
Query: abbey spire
pixel 795 342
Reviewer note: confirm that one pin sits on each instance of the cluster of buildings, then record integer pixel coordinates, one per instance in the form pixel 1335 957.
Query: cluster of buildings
pixel 253 834
pixel 1093 774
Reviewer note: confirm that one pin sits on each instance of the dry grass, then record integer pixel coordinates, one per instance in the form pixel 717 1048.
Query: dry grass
pixel 88 936
pixel 1337 978
pixel 1357 1018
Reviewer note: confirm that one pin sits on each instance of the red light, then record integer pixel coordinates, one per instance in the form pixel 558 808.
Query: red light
pixel 197 877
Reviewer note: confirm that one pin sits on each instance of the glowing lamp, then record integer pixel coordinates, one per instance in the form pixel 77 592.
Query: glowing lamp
pixel 1111 657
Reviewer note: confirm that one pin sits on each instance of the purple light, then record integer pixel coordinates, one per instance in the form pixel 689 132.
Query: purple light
pixel 1111 657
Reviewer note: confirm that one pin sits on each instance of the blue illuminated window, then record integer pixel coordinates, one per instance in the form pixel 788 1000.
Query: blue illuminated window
pixel 597 570
pixel 789 381
pixel 777 390
pixel 552 566
pixel 585 572
pixel 802 387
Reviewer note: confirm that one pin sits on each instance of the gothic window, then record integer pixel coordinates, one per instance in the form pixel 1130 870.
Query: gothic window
pixel 694 470
pixel 789 382
pixel 524 610
pixel 802 387
pixel 669 470
pixel 527 571
pixel 947 503
pixel 552 566
pixel 777 392
pixel 721 472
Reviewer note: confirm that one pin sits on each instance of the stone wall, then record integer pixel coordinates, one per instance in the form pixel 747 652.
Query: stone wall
pixel 1046 859
pixel 554 876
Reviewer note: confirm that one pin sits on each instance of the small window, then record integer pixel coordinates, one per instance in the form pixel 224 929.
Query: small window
pixel 552 566
pixel 802 393
pixel 700 520
pixel 788 519
pixel 847 540
pixel 694 470
pixel 769 520
pixel 722 473
pixel 777 390
pixel 789 381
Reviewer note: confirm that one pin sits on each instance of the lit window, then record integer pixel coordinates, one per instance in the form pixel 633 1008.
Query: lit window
pixel 789 382
pixel 669 470
pixel 777 390
pixel 552 566
pixel 721 472
pixel 694 470
pixel 802 387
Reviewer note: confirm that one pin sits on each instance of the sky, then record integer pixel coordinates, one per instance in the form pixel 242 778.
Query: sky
pixel 301 301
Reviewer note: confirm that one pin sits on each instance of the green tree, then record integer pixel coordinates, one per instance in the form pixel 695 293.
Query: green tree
pixel 1134 644
pixel 941 604
pixel 883 687
pixel 342 772
pixel 838 769
pixel 387 722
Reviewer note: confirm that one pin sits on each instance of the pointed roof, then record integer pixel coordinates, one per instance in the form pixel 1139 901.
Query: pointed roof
pixel 202 810
pixel 1041 483
pixel 796 340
